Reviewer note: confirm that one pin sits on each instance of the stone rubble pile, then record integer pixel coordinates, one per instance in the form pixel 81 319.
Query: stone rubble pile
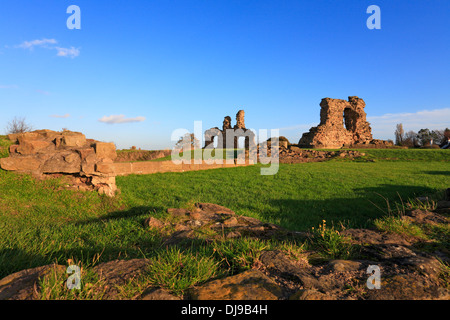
pixel 294 154
pixel 46 153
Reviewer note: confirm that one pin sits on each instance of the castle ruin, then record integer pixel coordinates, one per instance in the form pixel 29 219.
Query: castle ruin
pixel 342 123
pixel 228 137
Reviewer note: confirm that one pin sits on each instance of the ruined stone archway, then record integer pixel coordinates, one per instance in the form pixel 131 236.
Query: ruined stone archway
pixel 342 123
pixel 350 119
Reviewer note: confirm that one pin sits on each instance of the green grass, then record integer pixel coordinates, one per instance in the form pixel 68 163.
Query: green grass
pixel 407 154
pixel 4 146
pixel 396 224
pixel 177 270
pixel 53 286
pixel 330 243
pixel 299 196
pixel 42 223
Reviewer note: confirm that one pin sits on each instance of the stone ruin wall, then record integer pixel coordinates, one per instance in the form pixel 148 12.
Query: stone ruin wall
pixel 237 131
pixel 342 123
pixel 46 153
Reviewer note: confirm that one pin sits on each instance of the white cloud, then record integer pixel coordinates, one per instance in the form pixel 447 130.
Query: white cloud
pixel 45 93
pixel 71 52
pixel 120 119
pixel 12 86
pixel 67 115
pixel 68 52
pixel 383 126
pixel 41 43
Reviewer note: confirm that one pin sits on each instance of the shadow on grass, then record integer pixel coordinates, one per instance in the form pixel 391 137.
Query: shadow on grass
pixel 13 260
pixel 441 173
pixel 125 214
pixel 359 211
pixel 116 235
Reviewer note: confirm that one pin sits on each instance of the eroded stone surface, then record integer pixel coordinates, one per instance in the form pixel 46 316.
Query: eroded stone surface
pixel 248 285
pixel 22 285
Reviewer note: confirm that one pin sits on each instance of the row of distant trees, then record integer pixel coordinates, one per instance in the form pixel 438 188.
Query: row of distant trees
pixel 422 138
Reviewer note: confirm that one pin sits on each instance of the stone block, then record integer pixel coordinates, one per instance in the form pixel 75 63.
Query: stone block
pixel 73 140
pixel 107 168
pixel 58 164
pixel 105 150
pixel 27 136
pixel 23 164
pixel 122 169
pixel 13 137
pixel 84 152
pixel 13 148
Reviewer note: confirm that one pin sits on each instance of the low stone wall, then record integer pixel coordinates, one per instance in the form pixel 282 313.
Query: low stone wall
pixel 149 167
pixel 86 164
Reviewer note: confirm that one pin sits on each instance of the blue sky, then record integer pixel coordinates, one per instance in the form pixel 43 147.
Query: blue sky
pixel 156 66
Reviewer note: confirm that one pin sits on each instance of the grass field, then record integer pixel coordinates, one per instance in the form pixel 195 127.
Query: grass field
pixel 41 223
pixel 299 196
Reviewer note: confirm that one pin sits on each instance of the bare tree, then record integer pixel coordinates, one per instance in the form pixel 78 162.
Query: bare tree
pixel 399 134
pixel 18 125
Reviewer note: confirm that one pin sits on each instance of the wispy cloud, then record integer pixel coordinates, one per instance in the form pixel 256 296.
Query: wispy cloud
pixel 71 52
pixel 68 52
pixel 45 93
pixel 67 115
pixel 112 119
pixel 9 86
pixel 38 42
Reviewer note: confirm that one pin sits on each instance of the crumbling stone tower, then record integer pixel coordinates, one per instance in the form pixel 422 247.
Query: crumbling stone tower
pixel 342 123
pixel 233 133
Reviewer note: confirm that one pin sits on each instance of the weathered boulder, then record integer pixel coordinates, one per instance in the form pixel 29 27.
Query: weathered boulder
pixel 62 162
pixel 408 287
pixel 214 222
pixel 22 285
pixel 153 293
pixel 249 285
pixel 311 294
pixel 344 265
